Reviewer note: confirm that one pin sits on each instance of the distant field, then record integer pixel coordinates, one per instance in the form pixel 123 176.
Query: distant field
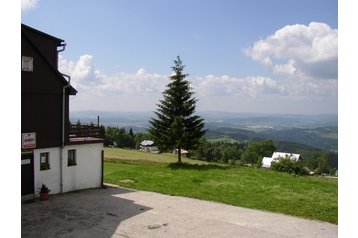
pixel 115 154
pixel 223 139
pixel 310 197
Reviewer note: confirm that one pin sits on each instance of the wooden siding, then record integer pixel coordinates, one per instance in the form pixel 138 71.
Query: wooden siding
pixel 45 43
pixel 41 90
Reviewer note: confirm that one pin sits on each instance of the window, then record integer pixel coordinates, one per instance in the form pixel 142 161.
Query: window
pixel 71 158
pixel 44 161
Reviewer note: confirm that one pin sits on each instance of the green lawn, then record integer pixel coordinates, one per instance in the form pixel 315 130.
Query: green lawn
pixel 310 197
pixel 124 155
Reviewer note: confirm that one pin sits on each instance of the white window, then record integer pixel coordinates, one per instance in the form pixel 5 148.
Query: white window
pixel 71 158
pixel 44 161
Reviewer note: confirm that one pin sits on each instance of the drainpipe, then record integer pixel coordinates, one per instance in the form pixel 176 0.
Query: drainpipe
pixel 63 128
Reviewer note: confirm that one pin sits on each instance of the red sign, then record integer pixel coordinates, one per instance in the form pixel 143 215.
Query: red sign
pixel 28 140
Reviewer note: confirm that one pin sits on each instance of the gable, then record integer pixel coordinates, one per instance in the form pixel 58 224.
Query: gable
pixel 45 43
pixel 44 77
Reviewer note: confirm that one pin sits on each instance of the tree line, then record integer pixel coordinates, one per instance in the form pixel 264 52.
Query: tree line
pixel 251 154
pixel 115 136
pixel 235 153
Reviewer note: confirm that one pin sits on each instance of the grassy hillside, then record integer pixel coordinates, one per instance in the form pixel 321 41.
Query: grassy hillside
pixel 325 138
pixel 309 197
pixel 130 156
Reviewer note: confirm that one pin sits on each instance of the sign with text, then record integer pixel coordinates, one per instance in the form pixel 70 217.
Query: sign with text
pixel 25 161
pixel 27 63
pixel 28 140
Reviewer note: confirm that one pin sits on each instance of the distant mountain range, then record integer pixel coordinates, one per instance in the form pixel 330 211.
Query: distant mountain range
pixel 257 121
pixel 320 131
pixel 214 119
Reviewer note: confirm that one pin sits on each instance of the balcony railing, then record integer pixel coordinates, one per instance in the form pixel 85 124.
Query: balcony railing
pixel 83 133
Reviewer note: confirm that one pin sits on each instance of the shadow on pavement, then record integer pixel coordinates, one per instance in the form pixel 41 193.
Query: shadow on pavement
pixel 86 213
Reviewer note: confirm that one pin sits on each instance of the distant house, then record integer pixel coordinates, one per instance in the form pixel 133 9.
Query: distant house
pixel 277 156
pixel 62 155
pixel 148 145
pixel 183 152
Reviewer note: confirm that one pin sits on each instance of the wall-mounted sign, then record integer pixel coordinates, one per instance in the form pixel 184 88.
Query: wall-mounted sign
pixel 28 140
pixel 27 63
pixel 25 161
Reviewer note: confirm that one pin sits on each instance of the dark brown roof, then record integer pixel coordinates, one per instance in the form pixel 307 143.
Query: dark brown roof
pixel 25 27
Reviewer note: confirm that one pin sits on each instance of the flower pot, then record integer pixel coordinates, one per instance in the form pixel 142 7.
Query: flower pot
pixel 43 196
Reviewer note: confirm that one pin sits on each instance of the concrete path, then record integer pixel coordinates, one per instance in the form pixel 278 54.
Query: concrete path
pixel 120 212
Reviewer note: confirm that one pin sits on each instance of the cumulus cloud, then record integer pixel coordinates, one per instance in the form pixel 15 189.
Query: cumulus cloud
pixel 81 72
pixel 306 51
pixel 91 81
pixel 27 5
pixel 85 77
pixel 255 86
pixel 141 90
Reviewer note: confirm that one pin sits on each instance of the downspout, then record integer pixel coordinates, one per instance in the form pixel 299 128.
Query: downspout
pixel 63 128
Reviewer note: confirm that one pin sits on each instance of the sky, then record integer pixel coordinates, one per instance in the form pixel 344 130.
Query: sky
pixel 259 56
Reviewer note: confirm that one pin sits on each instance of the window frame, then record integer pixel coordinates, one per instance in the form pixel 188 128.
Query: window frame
pixel 46 164
pixel 71 157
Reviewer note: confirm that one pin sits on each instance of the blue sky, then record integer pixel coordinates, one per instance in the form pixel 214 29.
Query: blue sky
pixel 243 56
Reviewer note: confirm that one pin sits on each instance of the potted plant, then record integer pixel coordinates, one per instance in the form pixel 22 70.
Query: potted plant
pixel 44 190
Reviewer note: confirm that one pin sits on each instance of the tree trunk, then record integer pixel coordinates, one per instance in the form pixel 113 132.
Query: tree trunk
pixel 179 155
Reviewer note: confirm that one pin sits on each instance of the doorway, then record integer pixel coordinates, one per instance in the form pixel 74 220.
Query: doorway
pixel 27 173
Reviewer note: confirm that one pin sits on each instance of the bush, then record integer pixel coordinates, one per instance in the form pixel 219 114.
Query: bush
pixel 289 166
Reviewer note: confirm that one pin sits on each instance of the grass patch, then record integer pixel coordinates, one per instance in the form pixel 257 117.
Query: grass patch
pixel 314 198
pixel 117 154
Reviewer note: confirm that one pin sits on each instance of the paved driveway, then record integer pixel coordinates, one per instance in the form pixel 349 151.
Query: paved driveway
pixel 120 212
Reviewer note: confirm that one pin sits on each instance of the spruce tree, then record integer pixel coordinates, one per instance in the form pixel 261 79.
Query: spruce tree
pixel 175 126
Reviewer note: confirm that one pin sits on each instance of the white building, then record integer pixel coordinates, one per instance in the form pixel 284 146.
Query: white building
pixel 54 152
pixel 276 156
pixel 148 145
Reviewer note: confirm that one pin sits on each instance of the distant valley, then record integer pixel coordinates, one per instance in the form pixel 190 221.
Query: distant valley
pixel 318 131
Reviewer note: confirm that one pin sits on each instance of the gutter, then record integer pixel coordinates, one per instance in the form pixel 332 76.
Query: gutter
pixel 63 45
pixel 63 128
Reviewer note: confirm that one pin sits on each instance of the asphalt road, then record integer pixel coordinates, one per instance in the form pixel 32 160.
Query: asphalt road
pixel 119 212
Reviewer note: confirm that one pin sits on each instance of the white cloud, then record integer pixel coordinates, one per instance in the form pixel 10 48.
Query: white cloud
pixel 253 87
pixel 81 72
pixel 27 5
pixel 89 80
pixel 288 68
pixel 306 51
pixel 141 90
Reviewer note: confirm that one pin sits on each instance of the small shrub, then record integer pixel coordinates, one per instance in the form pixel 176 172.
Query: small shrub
pixel 289 166
pixel 232 162
pixel 44 189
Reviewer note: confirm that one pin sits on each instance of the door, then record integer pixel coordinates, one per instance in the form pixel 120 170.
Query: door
pixel 27 173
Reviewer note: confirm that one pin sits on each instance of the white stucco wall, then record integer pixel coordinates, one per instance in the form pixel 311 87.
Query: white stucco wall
pixel 86 174
pixel 50 177
pixel 266 162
